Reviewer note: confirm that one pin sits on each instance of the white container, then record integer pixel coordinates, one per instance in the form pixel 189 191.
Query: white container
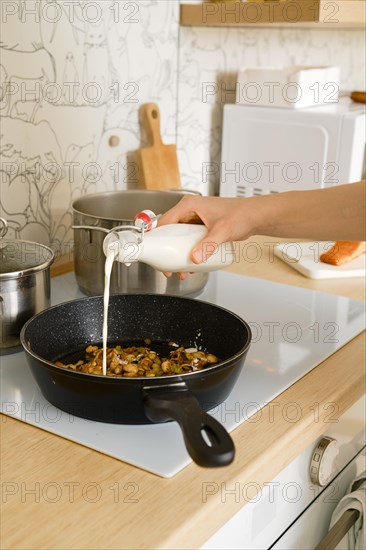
pixel 167 248
pixel 293 87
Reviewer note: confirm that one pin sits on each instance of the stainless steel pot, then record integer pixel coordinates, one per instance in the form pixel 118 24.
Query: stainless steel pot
pixel 24 286
pixel 105 211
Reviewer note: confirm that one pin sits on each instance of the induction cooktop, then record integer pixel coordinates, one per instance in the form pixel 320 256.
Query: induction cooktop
pixel 293 331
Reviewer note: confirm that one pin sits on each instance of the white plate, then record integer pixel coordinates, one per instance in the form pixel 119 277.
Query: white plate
pixel 304 257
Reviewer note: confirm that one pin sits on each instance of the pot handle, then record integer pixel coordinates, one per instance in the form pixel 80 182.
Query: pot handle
pixel 184 191
pixel 90 228
pixel 4 228
pixel 162 404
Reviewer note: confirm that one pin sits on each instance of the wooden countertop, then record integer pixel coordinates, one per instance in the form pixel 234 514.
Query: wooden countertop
pixel 57 494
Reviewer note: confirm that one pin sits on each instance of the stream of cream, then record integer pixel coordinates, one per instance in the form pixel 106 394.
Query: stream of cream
pixel 107 279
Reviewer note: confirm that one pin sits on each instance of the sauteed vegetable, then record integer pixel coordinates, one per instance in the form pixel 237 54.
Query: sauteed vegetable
pixel 141 361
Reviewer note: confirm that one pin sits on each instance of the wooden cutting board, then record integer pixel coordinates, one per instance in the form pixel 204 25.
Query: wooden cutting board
pixel 158 163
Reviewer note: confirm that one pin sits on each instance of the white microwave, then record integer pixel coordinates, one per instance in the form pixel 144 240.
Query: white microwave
pixel 267 150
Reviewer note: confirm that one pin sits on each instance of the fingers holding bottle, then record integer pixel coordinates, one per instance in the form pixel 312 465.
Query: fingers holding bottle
pixel 185 211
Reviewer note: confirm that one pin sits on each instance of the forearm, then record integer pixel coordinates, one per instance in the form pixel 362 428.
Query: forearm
pixel 337 213
pixel 334 214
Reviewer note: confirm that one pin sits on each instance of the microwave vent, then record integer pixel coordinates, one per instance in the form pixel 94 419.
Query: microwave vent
pixel 245 191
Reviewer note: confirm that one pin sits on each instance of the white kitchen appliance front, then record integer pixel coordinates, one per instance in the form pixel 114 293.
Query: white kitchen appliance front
pixel 268 150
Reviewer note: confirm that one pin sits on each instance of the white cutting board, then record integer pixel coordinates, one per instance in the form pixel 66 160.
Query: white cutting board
pixel 304 257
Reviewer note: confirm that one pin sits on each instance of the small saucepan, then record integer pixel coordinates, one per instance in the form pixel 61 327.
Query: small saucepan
pixel 67 329
pixel 24 286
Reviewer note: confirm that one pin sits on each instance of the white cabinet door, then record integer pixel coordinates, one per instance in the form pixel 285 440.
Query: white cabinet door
pixel 313 524
pixel 283 500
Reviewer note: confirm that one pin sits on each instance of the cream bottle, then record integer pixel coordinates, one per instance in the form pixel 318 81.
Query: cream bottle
pixel 165 248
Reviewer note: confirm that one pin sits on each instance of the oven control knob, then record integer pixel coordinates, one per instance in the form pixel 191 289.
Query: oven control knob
pixel 323 461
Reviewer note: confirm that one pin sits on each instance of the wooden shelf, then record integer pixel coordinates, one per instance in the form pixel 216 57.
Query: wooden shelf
pixel 276 13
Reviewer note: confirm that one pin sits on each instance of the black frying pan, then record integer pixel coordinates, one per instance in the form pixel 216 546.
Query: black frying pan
pixel 67 329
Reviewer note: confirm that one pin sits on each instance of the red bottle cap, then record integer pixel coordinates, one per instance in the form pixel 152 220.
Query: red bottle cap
pixel 146 218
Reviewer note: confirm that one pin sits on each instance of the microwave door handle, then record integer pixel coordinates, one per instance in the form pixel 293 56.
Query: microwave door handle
pixel 339 530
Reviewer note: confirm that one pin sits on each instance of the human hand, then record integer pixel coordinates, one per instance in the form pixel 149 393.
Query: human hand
pixel 334 213
pixel 223 217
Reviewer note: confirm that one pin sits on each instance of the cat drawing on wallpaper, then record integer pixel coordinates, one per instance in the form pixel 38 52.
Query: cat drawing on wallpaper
pixel 70 79
pixel 97 67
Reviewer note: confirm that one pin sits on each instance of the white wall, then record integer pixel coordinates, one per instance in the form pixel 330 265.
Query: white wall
pixel 129 53
pixel 214 55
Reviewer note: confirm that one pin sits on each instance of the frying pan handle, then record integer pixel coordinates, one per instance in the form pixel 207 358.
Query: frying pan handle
pixel 181 405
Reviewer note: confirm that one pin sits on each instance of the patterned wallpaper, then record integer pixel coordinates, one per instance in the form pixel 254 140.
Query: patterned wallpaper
pixel 74 74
